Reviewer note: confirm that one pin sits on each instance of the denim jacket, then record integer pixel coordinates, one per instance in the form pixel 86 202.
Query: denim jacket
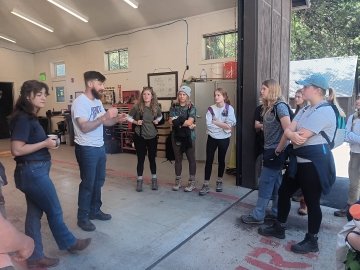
pixel 323 160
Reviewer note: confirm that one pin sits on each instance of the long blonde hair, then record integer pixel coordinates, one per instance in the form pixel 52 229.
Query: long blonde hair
pixel 154 104
pixel 333 100
pixel 273 96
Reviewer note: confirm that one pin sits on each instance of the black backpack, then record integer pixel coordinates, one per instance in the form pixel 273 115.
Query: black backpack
pixel 169 151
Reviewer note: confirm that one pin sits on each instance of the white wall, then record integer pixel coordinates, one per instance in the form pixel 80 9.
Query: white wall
pixel 149 51
pixel 16 65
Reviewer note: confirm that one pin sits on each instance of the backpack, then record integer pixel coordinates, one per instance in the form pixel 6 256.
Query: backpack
pixel 169 151
pixel 291 113
pixel 224 113
pixel 338 136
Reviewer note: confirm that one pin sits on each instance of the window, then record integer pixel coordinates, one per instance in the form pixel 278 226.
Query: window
pixel 220 45
pixel 117 59
pixel 59 69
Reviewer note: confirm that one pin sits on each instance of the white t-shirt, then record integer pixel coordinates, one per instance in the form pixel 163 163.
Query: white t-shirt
pixel 88 109
pixel 226 117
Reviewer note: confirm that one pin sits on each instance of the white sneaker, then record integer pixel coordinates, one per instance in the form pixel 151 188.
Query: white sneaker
pixel 190 187
pixel 177 185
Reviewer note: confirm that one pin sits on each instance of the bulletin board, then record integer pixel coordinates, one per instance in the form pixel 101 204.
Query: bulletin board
pixel 165 84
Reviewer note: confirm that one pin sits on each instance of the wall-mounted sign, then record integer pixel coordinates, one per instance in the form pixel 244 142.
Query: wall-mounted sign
pixel 42 76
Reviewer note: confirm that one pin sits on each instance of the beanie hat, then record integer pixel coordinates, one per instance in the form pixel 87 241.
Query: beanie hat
pixel 186 90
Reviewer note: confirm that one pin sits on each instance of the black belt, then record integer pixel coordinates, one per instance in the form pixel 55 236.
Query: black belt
pixel 28 162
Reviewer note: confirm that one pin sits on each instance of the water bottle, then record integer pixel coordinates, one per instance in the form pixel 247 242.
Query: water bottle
pixel 203 75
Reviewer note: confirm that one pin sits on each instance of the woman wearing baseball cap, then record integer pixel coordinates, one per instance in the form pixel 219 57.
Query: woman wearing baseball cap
pixel 311 166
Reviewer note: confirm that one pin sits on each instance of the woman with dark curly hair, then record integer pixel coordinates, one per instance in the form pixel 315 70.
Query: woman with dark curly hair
pixel 30 146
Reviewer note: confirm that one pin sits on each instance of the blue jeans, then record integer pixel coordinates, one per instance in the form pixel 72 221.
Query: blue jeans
pixel 269 183
pixel 92 164
pixel 33 180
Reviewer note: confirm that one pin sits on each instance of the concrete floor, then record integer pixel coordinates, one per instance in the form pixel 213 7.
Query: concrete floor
pixel 169 230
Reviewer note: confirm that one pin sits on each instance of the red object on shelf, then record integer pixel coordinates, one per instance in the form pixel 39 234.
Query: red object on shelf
pixel 230 70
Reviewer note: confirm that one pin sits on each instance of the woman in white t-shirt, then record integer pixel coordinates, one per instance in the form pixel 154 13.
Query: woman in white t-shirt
pixel 220 118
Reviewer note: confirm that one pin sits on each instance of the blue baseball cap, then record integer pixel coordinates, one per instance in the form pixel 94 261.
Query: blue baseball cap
pixel 315 79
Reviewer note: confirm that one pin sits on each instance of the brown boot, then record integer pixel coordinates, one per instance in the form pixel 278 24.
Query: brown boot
pixel 80 244
pixel 44 262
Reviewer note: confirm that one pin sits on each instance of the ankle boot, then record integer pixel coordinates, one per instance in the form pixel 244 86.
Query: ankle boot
pixel 154 184
pixel 275 230
pixel 309 244
pixel 139 184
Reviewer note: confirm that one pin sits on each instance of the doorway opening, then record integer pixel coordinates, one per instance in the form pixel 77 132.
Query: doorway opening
pixel 6 107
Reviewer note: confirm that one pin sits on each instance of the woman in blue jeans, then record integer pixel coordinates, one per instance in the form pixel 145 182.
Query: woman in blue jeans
pixel 29 145
pixel 276 117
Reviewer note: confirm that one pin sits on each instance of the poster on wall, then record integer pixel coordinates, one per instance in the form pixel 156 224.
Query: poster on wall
pixel 164 84
pixel 60 93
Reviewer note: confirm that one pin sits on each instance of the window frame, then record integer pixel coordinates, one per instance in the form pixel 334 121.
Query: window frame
pixel 107 60
pixel 224 53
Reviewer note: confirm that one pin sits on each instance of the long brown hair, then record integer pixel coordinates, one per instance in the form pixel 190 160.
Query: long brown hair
pixel 273 96
pixel 154 104
pixel 23 103
pixel 224 94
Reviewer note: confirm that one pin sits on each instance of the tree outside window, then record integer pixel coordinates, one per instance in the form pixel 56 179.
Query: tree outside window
pixel 219 46
pixel 117 59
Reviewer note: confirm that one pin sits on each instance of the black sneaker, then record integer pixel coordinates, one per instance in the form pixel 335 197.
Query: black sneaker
pixel 100 216
pixel 86 225
pixel 309 244
pixel 275 230
pixel 219 186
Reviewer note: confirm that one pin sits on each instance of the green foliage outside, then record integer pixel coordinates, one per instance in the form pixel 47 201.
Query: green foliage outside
pixel 329 28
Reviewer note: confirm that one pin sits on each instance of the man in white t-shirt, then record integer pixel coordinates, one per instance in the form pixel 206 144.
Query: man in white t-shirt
pixel 89 117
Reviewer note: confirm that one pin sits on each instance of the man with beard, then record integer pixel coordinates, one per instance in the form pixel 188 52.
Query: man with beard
pixel 89 117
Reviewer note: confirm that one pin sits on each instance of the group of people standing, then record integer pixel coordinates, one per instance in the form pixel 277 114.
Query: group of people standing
pixel 306 141
pixel 30 145
pixel 311 168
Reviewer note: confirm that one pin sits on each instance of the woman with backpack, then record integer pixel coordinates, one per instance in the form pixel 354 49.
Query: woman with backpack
pixel 145 115
pixel 276 115
pixel 182 118
pixel 312 166
pixel 220 118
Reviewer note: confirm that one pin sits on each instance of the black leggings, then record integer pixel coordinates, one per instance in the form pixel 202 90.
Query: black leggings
pixel 308 180
pixel 142 146
pixel 211 145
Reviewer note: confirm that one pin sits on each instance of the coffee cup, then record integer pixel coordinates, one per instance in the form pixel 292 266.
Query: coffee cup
pixel 55 137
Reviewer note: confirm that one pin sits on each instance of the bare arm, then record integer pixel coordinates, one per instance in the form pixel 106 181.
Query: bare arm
pixel 285 123
pixel 297 137
pixel 19 148
pixel 14 241
pixel 108 119
pixel 188 122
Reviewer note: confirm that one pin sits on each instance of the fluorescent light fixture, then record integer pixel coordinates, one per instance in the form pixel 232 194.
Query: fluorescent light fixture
pixel 29 19
pixel 7 38
pixel 69 10
pixel 132 3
